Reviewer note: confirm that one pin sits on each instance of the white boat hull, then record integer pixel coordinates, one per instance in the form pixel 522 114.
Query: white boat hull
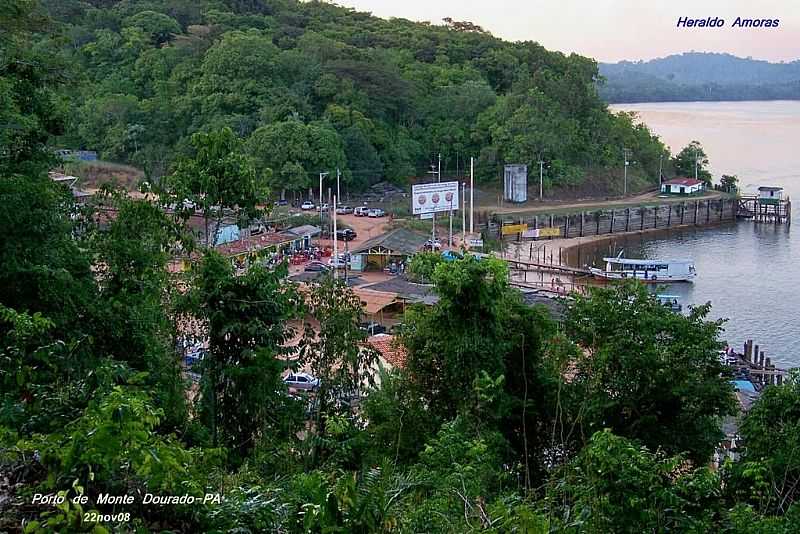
pixel 640 275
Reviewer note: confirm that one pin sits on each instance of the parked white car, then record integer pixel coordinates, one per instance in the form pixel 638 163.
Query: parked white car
pixel 338 263
pixel 307 205
pixel 302 381
pixel 376 212
pixel 361 211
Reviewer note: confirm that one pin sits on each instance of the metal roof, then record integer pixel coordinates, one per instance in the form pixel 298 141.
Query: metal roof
pixel 682 181
pixel 304 230
pixel 400 241
pixel 769 188
pixel 643 262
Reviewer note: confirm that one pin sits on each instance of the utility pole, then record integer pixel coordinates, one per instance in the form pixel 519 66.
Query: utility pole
pixel 541 180
pixel 338 193
pixel 336 246
pixel 695 163
pixel 626 153
pixel 435 170
pixel 450 237
pixel 471 195
pixel 463 214
pixel 321 176
pixel 660 173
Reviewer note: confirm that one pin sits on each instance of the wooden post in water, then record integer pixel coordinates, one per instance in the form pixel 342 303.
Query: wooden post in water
pixel 708 210
pixel 655 217
pixel 683 211
pixel 611 228
pixel 669 216
pixel 627 218
pixel 642 213
pixel 583 213
pixel 696 208
pixel 566 226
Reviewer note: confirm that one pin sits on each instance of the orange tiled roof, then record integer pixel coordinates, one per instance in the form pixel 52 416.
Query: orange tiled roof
pixel 389 348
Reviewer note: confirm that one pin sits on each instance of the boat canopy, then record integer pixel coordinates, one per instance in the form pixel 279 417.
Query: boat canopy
pixel 624 261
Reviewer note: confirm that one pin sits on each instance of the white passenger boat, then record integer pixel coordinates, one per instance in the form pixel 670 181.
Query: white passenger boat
pixel 646 270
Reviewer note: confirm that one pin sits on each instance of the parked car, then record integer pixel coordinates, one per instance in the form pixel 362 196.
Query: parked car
pixel 346 234
pixel 302 381
pixel 361 211
pixel 373 328
pixel 281 202
pixel 449 255
pixel 307 205
pixel 344 210
pixel 339 263
pixel 324 207
pixel 315 267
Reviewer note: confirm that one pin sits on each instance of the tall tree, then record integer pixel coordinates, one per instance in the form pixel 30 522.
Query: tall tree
pixel 335 352
pixel 692 161
pixel 218 177
pixel 243 396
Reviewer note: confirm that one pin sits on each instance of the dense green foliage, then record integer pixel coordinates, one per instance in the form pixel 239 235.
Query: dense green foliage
pixel 500 420
pixel 699 76
pixel 692 162
pixel 312 87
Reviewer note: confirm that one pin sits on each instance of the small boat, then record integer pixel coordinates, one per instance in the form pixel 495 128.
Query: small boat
pixel 671 302
pixel 655 271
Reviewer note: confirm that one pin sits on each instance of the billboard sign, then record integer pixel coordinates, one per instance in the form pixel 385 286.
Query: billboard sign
pixel 542 232
pixel 513 229
pixel 433 197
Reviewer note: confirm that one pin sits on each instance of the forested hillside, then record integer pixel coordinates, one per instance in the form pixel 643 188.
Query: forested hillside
pixel 701 77
pixel 312 87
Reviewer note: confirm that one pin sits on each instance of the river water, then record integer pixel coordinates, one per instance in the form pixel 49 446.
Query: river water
pixel 747 271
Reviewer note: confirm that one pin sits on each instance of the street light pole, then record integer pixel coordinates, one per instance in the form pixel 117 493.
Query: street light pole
pixel 625 155
pixel 338 193
pixel 471 195
pixel 336 246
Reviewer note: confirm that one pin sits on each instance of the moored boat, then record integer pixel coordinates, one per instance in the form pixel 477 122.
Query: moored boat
pixel 655 271
pixel 670 301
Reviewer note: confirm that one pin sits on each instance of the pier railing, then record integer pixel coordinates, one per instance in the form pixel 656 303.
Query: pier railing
pixel 697 212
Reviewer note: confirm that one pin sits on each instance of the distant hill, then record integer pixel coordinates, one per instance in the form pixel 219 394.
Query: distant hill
pixel 699 76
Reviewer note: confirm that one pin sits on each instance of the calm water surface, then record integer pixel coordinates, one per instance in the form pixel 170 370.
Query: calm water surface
pixel 748 271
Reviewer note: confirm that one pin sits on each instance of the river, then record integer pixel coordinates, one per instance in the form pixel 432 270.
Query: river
pixel 747 271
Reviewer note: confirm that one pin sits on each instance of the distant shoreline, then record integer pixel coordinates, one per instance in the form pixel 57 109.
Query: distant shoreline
pixel 710 101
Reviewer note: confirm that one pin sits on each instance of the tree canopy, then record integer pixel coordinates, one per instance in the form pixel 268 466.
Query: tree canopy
pixel 311 87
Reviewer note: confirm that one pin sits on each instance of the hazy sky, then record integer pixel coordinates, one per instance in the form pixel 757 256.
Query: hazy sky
pixel 611 30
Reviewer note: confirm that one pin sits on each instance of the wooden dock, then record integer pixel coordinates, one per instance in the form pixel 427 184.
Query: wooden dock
pixel 528 265
pixel 759 210
pixel 755 366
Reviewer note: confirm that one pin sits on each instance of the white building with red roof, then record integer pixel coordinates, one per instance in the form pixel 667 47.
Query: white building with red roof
pixel 682 186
